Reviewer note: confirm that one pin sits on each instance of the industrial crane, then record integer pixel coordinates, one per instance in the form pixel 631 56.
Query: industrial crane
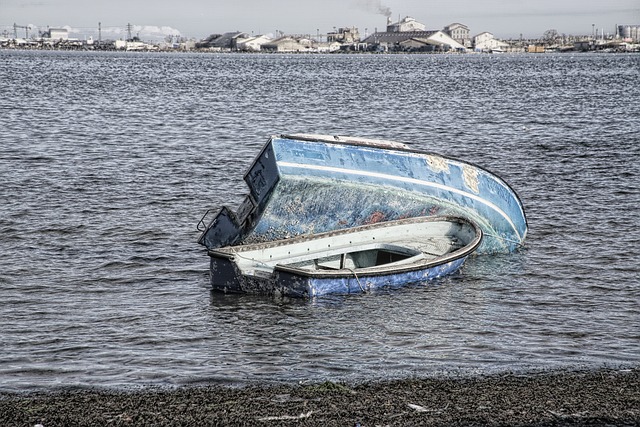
pixel 26 30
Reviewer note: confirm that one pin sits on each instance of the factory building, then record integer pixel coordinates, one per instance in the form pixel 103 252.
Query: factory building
pixel 288 44
pixel 629 32
pixel 57 34
pixel 406 24
pixel 486 42
pixel 460 33
pixel 409 34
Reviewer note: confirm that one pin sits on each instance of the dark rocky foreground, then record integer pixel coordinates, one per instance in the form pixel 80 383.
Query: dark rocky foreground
pixel 603 397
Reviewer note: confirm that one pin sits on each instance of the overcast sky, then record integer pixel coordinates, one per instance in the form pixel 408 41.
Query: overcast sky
pixel 199 18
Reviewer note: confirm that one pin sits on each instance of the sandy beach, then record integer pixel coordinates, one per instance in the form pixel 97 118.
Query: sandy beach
pixel 602 397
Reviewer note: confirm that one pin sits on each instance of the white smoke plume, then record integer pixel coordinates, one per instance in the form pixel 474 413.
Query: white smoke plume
pixel 153 32
pixel 375 6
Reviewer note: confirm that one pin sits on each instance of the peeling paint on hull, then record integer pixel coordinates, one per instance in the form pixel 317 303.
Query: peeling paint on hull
pixel 305 184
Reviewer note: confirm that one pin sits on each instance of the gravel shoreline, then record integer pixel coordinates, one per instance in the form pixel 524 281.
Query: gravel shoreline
pixel 601 397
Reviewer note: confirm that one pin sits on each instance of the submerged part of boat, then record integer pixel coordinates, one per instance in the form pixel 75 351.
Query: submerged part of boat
pixel 303 184
pixel 359 259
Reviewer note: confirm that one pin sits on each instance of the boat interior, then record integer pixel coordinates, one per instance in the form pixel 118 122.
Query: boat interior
pixel 370 247
pixel 363 258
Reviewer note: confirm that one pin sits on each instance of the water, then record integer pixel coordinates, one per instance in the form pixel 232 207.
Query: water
pixel 108 161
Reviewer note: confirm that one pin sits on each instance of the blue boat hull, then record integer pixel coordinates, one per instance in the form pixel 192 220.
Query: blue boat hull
pixel 305 184
pixel 312 287
pixel 227 278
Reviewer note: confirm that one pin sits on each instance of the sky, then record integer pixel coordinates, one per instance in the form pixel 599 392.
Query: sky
pixel 153 20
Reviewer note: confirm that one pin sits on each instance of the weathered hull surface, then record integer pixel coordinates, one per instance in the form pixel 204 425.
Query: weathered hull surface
pixel 309 184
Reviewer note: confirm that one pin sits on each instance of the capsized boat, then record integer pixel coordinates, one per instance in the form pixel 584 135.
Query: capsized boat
pixel 304 184
pixel 359 259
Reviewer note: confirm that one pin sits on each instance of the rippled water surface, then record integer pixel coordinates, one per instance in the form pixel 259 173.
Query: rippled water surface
pixel 109 160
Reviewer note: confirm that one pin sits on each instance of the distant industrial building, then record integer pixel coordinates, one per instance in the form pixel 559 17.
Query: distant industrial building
pixel 629 32
pixel 288 44
pixel 406 24
pixel 57 34
pixel 486 42
pixel 460 33
pixel 252 44
pixel 344 35
pixel 409 34
pixel 223 42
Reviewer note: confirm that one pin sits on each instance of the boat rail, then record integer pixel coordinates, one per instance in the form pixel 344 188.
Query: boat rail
pixel 203 224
